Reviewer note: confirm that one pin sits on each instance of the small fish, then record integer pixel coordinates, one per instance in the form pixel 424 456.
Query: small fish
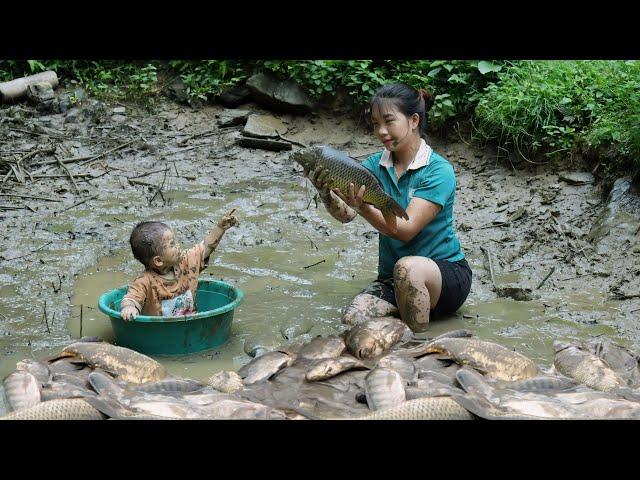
pixel 400 364
pixel 61 390
pixel 620 359
pixel 264 367
pixel 373 337
pixel 64 409
pixel 170 385
pixel 339 170
pixel 321 348
pixel 331 367
pixel 585 367
pixel 22 390
pixel 226 381
pixel 539 384
pixel 35 368
pixel 384 388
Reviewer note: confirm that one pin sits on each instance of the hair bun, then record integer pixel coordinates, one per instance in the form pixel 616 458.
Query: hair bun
pixel 428 99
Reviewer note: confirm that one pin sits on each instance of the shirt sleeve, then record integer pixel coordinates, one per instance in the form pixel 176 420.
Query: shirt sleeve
pixel 195 259
pixel 137 293
pixel 438 186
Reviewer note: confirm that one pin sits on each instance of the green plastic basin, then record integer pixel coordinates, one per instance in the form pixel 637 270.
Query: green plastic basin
pixel 157 335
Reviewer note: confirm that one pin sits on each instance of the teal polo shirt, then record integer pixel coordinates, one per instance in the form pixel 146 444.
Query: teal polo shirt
pixel 434 181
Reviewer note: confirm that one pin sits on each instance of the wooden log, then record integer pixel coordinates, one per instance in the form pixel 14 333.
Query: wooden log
pixel 15 90
pixel 263 143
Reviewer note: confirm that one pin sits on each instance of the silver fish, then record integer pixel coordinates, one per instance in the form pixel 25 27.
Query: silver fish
pixel 22 390
pixel 400 364
pixel 264 367
pixel 331 367
pixel 586 368
pixel 373 337
pixel 36 368
pixel 321 348
pixel 226 381
pixel 60 390
pixel 383 388
pixel 170 385
pixel 620 359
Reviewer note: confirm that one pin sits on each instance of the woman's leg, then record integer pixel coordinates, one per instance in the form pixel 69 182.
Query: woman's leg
pixel 418 283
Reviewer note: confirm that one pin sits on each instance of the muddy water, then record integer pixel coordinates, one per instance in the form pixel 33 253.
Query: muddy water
pixel 266 257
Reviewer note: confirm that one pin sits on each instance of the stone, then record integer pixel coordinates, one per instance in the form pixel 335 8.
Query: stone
pixel 263 126
pixel 73 115
pixel 234 97
pixel 178 91
pixel 118 118
pixel 119 110
pixel 280 95
pixel 40 92
pixel 576 178
pixel 229 117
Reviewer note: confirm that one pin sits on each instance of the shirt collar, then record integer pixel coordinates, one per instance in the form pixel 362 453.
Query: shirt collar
pixel 421 159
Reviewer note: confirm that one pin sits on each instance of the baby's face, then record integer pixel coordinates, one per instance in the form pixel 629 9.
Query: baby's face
pixel 171 251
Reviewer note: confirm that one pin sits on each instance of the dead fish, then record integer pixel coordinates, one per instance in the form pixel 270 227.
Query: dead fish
pixel 384 388
pixel 321 348
pixel 373 337
pixel 494 360
pixel 290 332
pixel 65 409
pixel 60 390
pixel 435 408
pixel 22 390
pixel 585 367
pixel 170 385
pixel 66 365
pixel 539 384
pixel 402 365
pixel 124 363
pixel 242 410
pixel 226 381
pixel 418 348
pixel 264 367
pixel 333 366
pixel 620 359
pixel 35 368
pixel 254 349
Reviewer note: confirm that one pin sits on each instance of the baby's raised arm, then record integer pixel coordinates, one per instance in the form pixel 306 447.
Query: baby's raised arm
pixel 212 239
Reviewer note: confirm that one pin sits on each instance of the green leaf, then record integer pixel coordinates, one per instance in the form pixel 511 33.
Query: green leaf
pixel 486 67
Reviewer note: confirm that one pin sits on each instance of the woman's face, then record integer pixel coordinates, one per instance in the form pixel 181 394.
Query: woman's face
pixel 394 129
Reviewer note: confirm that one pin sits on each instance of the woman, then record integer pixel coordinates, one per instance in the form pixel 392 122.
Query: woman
pixel 422 271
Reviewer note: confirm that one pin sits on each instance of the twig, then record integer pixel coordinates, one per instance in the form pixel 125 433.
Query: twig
pixel 317 263
pixel 313 245
pixel 73 180
pixel 100 155
pixel 46 320
pixel 545 278
pixel 81 320
pixel 76 204
pixel 33 197
pixel 33 251
pixel 159 189
pixel 488 254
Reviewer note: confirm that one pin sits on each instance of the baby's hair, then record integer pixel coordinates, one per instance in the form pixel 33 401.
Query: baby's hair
pixel 406 99
pixel 146 240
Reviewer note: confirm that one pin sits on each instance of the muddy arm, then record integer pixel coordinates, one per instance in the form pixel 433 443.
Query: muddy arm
pixel 336 207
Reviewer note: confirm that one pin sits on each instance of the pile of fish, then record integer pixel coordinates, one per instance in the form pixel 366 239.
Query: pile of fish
pixel 376 370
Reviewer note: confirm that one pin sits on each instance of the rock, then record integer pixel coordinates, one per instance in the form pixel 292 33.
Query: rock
pixel 118 118
pixel 263 143
pixel 229 118
pixel 94 111
pixel 72 116
pixel 119 110
pixel 263 126
pixel 40 92
pixel 235 96
pixel 576 178
pixel 178 91
pixel 515 292
pixel 286 96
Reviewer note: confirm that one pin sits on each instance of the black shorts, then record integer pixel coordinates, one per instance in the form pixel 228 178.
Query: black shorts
pixel 456 284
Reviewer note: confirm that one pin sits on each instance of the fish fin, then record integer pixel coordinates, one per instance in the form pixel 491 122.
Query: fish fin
pixel 390 219
pixel 107 406
pixel 393 207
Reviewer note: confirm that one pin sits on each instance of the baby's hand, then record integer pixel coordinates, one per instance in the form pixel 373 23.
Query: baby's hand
pixel 229 220
pixel 129 313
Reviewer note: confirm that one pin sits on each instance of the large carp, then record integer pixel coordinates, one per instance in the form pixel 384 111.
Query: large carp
pixel 61 409
pixel 124 363
pixel 339 170
pixel 494 360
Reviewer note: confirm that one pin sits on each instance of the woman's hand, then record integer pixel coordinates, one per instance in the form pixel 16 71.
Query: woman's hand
pixel 353 199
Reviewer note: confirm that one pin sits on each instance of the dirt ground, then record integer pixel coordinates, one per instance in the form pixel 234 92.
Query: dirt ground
pixel 555 237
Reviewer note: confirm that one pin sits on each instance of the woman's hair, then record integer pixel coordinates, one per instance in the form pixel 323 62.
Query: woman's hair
pixel 406 99
pixel 146 240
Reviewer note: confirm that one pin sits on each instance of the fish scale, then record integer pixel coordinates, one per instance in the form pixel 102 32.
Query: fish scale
pixel 66 409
